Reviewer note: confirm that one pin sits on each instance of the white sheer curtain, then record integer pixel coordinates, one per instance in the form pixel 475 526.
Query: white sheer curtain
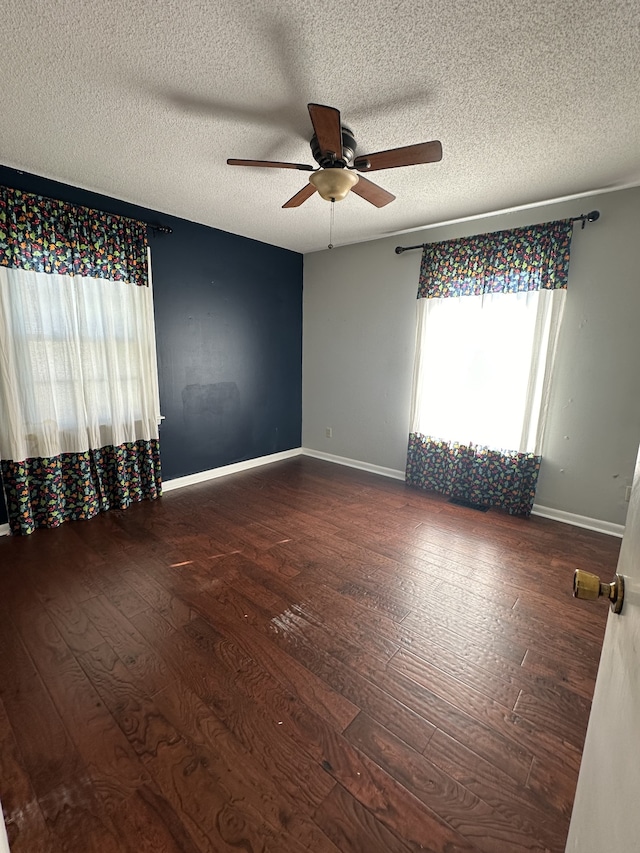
pixel 77 364
pixel 483 366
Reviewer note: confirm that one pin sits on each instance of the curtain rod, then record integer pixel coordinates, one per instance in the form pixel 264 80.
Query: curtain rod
pixel 584 218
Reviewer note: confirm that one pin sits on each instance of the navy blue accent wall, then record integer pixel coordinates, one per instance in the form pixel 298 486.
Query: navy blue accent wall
pixel 228 314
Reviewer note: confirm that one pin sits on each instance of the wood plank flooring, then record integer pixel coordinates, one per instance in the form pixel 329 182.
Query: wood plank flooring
pixel 299 657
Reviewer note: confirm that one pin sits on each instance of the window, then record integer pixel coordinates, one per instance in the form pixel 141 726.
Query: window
pixel 84 367
pixel 489 312
pixel 79 407
pixel 482 364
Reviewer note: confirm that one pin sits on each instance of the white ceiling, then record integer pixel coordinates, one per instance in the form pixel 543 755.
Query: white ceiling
pixel 145 101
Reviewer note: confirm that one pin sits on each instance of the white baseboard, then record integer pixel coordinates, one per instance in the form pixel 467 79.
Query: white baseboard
pixel 595 524
pixel 224 470
pixel 354 463
pixel 579 520
pixel 211 474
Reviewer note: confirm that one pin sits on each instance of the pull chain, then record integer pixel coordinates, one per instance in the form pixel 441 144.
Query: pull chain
pixel 331 220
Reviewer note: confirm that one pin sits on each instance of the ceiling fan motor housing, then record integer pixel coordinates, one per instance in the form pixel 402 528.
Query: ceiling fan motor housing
pixel 343 158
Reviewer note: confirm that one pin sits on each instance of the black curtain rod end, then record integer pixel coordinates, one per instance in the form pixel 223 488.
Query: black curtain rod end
pixel 592 216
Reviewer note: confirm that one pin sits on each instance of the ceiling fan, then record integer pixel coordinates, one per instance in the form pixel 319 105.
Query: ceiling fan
pixel 333 147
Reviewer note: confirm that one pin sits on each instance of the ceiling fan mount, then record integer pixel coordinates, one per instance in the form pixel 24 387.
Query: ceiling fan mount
pixel 327 160
pixel 333 147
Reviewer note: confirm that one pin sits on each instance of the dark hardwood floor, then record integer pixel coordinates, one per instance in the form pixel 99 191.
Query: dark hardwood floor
pixel 300 657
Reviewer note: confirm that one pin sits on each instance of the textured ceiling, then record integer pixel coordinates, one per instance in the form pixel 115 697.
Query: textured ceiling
pixel 145 101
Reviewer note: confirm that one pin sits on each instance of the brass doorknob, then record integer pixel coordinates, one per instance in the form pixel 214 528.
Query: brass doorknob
pixel 589 587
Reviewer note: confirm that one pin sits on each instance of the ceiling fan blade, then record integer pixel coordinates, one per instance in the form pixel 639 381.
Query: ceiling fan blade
pixel 305 193
pixel 272 164
pixel 372 192
pixel 410 155
pixel 327 128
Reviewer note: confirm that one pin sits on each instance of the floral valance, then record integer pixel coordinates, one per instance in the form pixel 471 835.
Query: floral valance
pixel 50 236
pixel 515 261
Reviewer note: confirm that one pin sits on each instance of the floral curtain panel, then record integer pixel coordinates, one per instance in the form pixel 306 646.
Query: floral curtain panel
pixel 46 235
pixel 79 408
pixel 489 312
pixel 72 486
pixel 476 475
pixel 515 261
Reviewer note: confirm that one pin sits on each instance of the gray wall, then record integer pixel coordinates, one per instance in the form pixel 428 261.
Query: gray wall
pixel 359 339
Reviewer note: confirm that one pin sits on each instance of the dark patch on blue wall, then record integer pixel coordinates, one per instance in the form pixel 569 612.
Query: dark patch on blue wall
pixel 228 314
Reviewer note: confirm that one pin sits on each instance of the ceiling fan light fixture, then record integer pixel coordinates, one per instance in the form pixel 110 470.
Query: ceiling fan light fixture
pixel 333 184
